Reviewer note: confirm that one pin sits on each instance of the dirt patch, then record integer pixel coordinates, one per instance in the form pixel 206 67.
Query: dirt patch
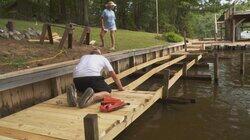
pixel 18 55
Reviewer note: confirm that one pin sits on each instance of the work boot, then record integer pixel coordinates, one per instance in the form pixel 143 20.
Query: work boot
pixel 86 98
pixel 71 96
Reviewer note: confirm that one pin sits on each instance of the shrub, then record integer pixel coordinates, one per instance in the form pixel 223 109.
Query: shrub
pixel 172 37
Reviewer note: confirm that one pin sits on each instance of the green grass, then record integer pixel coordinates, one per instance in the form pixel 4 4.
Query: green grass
pixel 125 39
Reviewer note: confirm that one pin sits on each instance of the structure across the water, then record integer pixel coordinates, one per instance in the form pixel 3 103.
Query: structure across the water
pixel 53 119
pixel 233 23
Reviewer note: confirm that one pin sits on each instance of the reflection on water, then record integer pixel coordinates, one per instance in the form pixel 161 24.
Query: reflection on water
pixel 220 113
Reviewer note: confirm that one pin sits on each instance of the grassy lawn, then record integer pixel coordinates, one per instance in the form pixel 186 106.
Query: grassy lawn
pixel 125 39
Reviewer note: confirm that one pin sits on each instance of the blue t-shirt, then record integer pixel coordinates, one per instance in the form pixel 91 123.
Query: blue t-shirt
pixel 109 19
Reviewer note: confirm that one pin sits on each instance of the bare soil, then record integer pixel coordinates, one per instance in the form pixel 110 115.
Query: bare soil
pixel 18 55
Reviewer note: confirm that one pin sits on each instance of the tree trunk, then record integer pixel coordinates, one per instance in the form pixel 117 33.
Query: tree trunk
pixel 62 11
pixel 85 12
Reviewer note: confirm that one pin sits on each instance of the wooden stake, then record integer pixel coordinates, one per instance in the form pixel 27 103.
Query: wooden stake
pixel 64 37
pixel 42 37
pixel 165 90
pixel 50 34
pixel 216 68
pixel 242 63
pixel 91 127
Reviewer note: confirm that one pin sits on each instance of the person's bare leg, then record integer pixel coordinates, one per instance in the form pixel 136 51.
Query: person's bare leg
pixel 100 95
pixel 102 34
pixel 112 35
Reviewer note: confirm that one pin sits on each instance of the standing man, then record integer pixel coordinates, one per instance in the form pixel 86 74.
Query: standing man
pixel 89 83
pixel 108 24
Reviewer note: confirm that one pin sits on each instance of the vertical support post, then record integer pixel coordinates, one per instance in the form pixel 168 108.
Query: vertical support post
pixel 50 34
pixel 56 86
pixel 185 40
pixel 234 30
pixel 185 70
pixel 165 90
pixel 90 123
pixel 70 37
pixel 162 53
pixel 117 66
pixel 216 68
pixel 215 27
pixel 132 61
pixel 242 63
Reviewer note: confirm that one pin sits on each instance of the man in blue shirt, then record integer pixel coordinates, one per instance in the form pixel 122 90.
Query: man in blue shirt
pixel 108 24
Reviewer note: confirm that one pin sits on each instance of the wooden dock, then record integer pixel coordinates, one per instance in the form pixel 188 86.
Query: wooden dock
pixel 53 119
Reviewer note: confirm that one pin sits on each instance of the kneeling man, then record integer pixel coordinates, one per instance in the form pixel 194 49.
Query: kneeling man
pixel 90 86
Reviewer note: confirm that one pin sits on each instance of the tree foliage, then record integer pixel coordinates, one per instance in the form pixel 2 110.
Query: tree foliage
pixel 193 16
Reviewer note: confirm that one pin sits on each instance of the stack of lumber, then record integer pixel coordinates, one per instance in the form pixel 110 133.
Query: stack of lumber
pixel 55 36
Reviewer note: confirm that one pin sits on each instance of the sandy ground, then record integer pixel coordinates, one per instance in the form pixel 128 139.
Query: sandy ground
pixel 18 55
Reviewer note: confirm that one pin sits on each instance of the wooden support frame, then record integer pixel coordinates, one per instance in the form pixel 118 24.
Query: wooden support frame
pixel 146 76
pixel 91 130
pixel 136 68
pixel 85 37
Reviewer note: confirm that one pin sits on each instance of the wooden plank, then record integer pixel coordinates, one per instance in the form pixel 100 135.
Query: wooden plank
pixel 242 63
pixel 18 134
pixel 136 68
pixel 132 117
pixel 6 138
pixel 146 76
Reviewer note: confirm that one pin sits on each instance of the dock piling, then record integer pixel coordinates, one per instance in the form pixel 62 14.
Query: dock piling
pixel 242 63
pixel 91 127
pixel 216 68
pixel 166 84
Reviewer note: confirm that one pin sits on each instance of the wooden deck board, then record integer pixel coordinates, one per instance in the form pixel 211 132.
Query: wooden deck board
pixel 53 120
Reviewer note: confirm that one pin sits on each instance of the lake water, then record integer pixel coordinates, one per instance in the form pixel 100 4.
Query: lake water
pixel 220 113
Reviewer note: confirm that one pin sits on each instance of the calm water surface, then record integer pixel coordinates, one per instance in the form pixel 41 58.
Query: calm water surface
pixel 221 112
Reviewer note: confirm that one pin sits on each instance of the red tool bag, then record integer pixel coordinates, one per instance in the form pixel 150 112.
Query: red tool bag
pixel 110 104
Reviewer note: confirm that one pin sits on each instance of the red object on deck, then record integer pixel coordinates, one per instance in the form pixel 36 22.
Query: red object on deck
pixel 110 104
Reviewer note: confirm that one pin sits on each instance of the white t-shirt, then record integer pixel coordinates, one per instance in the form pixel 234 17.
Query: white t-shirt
pixel 92 65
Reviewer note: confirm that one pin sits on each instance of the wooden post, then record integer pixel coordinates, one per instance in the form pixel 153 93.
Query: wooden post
pixel 10 26
pixel 185 40
pixel 70 37
pixel 216 68
pixel 215 27
pixel 56 86
pixel 117 66
pixel 64 37
pixel 242 63
pixel 233 33
pixel 50 34
pixel 85 37
pixel 132 61
pixel 42 37
pixel 185 69
pixel 90 123
pixel 165 90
